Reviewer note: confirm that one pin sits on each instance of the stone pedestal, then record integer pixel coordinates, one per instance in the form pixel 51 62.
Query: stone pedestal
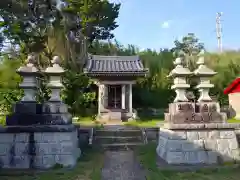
pixel 187 112
pixel 197 133
pixel 198 144
pixel 38 147
pixel 39 135
pixel 56 113
pixel 25 113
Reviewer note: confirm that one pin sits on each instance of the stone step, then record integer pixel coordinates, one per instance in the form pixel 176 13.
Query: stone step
pixel 115 115
pixel 118 139
pixel 119 133
pixel 121 146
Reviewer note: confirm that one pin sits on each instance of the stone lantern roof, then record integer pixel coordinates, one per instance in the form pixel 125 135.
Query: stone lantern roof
pixel 202 69
pixel 56 68
pixel 179 70
pixel 30 68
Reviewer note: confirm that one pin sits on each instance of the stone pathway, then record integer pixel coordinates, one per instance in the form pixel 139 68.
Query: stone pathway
pixel 121 165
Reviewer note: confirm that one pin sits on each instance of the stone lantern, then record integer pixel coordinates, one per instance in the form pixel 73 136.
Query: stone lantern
pixel 29 84
pixel 179 74
pixel 27 111
pixel 55 111
pixel 204 74
pixel 54 73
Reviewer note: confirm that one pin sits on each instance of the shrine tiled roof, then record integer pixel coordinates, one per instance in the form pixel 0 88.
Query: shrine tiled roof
pixel 114 65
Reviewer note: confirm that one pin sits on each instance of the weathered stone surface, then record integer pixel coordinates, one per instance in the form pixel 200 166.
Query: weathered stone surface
pixel 202 157
pixel 174 145
pixel 21 137
pixel 194 145
pixel 45 161
pixel 36 128
pixel 27 107
pixel 162 141
pixel 56 136
pixel 21 162
pixel 191 158
pixel 181 107
pixel 46 149
pixel 203 134
pixel 227 134
pixel 55 107
pixel 233 144
pixel 186 112
pixel 207 146
pixel 67 160
pixel 210 144
pixel 178 135
pixel 214 134
pixel 5 148
pixel 192 135
pixel 21 149
pixel 212 157
pixel 175 157
pixel 6 138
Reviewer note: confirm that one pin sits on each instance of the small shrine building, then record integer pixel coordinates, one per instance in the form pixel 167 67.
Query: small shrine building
pixel 115 76
pixel 233 92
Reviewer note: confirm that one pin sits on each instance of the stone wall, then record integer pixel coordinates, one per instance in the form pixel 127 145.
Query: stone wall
pixel 35 148
pixel 198 146
pixel 152 134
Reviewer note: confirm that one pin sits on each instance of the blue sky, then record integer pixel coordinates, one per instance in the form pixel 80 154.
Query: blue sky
pixel 157 23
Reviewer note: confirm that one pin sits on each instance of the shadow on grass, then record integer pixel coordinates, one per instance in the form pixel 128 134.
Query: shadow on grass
pixel 88 168
pixel 147 156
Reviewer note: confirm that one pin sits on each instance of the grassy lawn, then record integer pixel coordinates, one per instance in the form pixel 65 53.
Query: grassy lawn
pixel 233 121
pixel 147 156
pixel 88 168
pixel 145 122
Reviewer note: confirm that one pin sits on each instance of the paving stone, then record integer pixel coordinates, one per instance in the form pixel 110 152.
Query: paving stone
pixel 121 165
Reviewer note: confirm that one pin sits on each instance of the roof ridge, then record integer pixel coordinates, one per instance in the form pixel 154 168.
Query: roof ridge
pixel 116 58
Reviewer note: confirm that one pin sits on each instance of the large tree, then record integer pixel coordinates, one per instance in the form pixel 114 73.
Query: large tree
pixel 44 25
pixel 191 47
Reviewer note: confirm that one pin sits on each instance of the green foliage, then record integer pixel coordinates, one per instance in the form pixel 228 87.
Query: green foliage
pixel 97 17
pixel 9 80
pixel 78 92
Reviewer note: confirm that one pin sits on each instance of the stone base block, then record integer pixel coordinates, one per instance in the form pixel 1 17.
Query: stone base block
pixel 20 119
pixel 205 146
pixel 40 150
pixel 54 107
pixel 56 119
pixel 27 108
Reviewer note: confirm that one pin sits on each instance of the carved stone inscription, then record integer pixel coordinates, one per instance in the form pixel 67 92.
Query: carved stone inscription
pixel 185 107
pixel 189 113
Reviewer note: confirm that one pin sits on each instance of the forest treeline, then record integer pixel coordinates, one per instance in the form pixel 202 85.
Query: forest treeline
pixel 73 29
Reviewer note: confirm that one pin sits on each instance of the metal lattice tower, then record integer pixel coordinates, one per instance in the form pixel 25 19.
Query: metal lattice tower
pixel 219 30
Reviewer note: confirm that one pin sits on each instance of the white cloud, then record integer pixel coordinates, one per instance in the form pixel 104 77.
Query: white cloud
pixel 165 24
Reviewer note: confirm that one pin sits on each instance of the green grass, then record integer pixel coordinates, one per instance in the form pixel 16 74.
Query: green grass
pixel 147 156
pixel 233 121
pixel 88 168
pixel 145 123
